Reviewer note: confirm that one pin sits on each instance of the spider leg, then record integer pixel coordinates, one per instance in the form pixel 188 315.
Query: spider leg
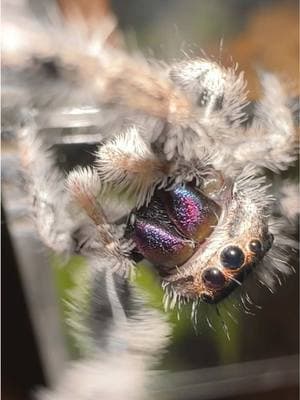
pixel 100 239
pixel 218 93
pixel 113 335
pixel 270 138
pixel 45 186
pixel 90 65
pixel 289 201
pixel 219 98
pixel 59 227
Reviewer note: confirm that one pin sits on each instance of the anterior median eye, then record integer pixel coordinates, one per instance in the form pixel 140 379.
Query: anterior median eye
pixel 160 245
pixel 232 257
pixel 194 214
pixel 213 278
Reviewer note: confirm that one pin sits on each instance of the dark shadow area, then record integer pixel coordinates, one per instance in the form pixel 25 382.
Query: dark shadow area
pixel 21 366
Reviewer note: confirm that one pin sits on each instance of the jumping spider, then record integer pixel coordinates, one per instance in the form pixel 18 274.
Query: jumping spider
pixel 179 179
pixel 182 145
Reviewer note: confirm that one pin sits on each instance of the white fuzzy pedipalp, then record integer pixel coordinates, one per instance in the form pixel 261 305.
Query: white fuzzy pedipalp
pixel 84 186
pixel 128 163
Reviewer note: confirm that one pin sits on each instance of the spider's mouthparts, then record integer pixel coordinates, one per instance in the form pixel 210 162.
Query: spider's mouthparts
pixel 173 226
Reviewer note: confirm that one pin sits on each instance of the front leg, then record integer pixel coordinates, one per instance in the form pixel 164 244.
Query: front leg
pixel 98 239
pixel 270 139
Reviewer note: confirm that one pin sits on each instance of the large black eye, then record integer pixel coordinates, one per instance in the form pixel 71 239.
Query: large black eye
pixel 232 257
pixel 255 246
pixel 213 278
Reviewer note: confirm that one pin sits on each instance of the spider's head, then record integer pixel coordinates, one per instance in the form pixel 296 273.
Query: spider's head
pixel 202 246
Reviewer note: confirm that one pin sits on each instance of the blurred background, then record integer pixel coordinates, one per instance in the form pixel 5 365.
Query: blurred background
pixel 259 359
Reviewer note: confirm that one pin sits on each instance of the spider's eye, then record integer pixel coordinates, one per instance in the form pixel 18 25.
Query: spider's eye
pixel 255 246
pixel 232 257
pixel 213 278
pixel 269 242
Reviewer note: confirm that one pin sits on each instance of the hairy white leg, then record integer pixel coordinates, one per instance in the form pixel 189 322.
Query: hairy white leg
pixel 218 92
pixel 60 228
pixel 277 262
pixel 45 185
pixel 126 338
pixel 289 200
pixel 270 140
pixel 88 63
pixel 100 239
pixel 219 99
pixel 201 101
pixel 117 308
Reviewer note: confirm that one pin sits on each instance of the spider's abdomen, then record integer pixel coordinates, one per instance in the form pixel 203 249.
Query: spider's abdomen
pixel 169 230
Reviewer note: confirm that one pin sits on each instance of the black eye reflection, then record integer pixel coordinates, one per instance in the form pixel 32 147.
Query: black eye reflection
pixel 213 278
pixel 255 246
pixel 232 257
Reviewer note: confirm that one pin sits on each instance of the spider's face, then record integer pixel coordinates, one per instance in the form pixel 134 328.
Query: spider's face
pixel 202 247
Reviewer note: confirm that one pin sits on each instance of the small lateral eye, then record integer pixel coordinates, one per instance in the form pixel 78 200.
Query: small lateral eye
pixel 255 246
pixel 232 257
pixel 213 278
pixel 270 241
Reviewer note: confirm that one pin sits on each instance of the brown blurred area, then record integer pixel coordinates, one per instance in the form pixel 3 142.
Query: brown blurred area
pixel 269 41
pixel 91 13
pixel 92 10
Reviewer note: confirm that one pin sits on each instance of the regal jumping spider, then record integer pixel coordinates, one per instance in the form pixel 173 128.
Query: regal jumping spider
pixel 182 146
pixel 179 179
